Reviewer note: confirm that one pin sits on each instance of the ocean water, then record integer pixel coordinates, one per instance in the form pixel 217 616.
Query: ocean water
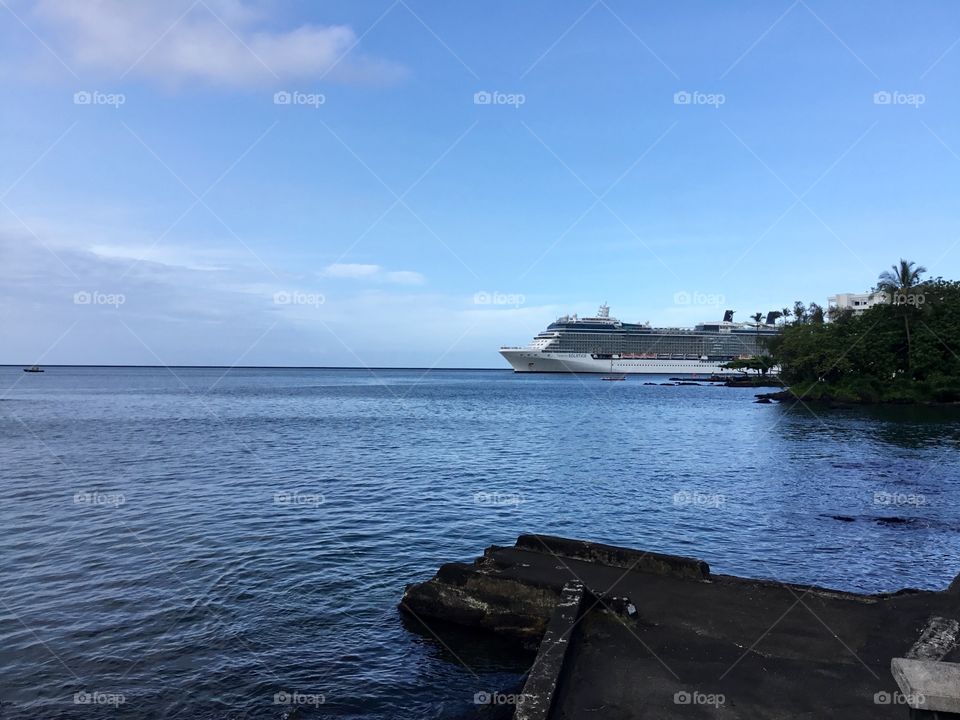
pixel 204 543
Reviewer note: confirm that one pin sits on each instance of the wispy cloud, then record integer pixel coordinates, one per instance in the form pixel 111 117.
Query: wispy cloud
pixel 185 315
pixel 173 256
pixel 405 277
pixel 350 270
pixel 359 271
pixel 215 41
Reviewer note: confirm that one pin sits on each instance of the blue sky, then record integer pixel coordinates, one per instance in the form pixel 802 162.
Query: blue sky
pixel 159 203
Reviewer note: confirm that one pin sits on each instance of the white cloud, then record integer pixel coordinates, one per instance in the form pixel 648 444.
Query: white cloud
pixel 350 270
pixel 405 277
pixel 177 315
pixel 173 256
pixel 216 41
pixel 356 271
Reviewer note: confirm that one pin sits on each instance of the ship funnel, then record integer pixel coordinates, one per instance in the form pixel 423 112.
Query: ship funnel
pixel 772 316
pixel 728 315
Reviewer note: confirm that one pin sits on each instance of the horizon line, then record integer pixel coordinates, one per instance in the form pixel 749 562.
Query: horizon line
pixel 250 367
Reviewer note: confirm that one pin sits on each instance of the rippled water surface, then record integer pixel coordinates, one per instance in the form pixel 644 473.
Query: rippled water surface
pixel 198 541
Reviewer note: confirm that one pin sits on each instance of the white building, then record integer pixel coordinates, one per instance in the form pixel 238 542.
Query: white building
pixel 858 302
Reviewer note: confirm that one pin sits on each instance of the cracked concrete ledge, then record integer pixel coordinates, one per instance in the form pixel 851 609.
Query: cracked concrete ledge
pixel 661 637
pixel 502 593
pixel 612 556
pixel 539 691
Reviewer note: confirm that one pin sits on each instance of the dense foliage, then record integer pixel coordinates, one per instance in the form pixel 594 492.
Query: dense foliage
pixel 761 364
pixel 906 349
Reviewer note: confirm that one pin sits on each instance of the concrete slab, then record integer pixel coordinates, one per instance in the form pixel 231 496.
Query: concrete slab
pixel 665 638
pixel 928 684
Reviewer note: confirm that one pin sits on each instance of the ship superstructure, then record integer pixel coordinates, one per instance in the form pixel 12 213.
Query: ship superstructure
pixel 604 344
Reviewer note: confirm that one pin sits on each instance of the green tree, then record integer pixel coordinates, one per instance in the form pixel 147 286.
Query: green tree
pixel 899 284
pixel 862 357
pixel 800 312
pixel 815 313
pixel 756 317
pixel 762 364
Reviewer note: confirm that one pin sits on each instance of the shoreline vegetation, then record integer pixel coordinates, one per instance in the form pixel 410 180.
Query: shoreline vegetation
pixel 904 349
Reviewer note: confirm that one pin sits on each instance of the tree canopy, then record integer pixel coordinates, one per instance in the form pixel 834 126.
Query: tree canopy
pixel 905 349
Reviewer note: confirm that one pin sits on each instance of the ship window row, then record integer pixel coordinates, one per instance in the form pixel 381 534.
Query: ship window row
pixel 586 342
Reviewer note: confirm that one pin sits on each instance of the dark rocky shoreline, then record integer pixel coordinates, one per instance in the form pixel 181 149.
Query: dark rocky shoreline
pixel 829 401
pixel 731 381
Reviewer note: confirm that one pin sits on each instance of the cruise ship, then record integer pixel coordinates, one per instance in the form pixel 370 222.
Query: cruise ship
pixel 603 344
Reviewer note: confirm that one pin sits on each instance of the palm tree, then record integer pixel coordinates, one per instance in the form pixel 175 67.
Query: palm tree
pixel 816 313
pixel 756 317
pixel 800 312
pixel 785 313
pixel 897 282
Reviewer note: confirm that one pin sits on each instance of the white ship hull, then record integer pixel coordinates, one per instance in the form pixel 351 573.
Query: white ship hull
pixel 536 361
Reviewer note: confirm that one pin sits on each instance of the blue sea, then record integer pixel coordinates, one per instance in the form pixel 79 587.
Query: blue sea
pixel 212 543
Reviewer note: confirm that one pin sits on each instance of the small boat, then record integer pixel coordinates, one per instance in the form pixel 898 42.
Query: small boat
pixel 33 368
